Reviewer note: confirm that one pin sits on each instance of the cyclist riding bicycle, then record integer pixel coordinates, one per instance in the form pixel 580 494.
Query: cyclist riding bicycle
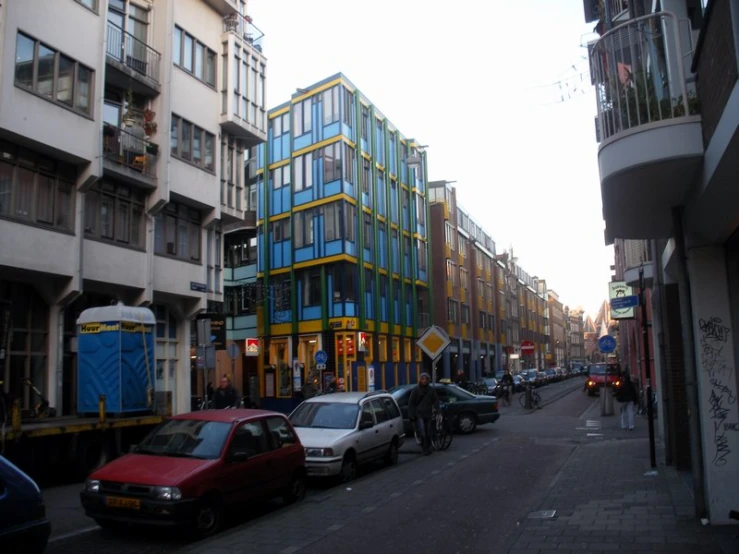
pixel 506 383
pixel 421 404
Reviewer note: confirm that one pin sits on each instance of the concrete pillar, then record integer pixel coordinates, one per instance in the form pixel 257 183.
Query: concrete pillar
pixel 717 383
pixel 54 375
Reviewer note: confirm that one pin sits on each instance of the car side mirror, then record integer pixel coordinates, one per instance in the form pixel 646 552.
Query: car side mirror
pixel 238 456
pixel 365 425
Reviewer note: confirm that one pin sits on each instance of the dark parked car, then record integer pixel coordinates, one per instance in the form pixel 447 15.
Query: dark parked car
pixel 467 410
pixel 24 528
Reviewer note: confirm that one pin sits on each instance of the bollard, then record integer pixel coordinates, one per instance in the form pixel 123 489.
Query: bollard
pixel 101 408
pixel 606 401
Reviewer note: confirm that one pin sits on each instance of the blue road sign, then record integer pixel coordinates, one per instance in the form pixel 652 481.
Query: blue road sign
pixel 321 357
pixel 624 302
pixel 607 343
pixel 233 351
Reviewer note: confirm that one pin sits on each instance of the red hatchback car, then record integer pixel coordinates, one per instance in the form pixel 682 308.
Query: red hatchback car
pixel 600 374
pixel 193 466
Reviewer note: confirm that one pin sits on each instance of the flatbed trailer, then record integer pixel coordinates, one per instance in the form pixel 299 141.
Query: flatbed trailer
pixel 67 447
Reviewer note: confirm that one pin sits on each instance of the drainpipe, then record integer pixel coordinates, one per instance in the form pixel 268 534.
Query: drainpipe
pixel 691 377
pixel 658 321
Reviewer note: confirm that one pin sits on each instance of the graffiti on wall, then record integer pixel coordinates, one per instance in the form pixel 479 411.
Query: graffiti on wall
pixel 722 408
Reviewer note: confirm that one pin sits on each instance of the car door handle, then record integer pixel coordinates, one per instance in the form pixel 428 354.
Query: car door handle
pixel 377 431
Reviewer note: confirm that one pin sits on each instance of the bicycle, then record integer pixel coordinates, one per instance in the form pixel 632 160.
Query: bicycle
pixel 535 398
pixel 441 430
pixel 505 394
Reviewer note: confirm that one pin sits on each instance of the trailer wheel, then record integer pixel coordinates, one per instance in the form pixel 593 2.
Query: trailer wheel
pixel 93 453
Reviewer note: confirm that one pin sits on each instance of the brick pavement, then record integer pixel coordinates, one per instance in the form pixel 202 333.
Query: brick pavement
pixel 607 498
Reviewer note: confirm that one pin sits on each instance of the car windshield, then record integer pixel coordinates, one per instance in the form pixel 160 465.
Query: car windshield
pixel 325 415
pixel 186 438
pixel 490 381
pixel 602 369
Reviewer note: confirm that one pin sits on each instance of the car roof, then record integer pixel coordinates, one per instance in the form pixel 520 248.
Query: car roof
pixel 225 416
pixel 347 397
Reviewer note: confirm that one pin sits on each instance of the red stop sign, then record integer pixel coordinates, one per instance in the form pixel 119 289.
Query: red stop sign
pixel 527 347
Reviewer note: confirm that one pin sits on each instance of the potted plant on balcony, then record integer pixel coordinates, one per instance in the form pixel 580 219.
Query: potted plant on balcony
pixel 152 148
pixel 150 126
pixel 128 119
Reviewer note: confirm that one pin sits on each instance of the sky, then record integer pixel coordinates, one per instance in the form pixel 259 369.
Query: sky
pixel 482 84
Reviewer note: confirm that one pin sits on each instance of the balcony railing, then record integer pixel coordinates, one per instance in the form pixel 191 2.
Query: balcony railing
pixel 128 149
pixel 132 52
pixel 243 27
pixel 637 69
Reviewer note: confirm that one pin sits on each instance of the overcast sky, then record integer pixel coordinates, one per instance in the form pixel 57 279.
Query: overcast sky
pixel 482 84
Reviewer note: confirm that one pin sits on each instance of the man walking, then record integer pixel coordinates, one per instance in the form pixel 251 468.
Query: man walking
pixel 421 404
pixel 226 395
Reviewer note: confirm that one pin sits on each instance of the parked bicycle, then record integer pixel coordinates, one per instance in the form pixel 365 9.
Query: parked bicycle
pixel 642 406
pixel 535 398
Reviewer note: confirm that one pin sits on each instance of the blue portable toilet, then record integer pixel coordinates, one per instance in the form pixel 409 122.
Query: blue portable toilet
pixel 115 357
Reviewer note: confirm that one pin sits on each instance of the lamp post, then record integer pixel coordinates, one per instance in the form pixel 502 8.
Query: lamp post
pixel 647 367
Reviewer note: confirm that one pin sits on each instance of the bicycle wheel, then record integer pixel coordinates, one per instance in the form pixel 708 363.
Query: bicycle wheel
pixel 446 435
pixel 522 400
pixel 536 401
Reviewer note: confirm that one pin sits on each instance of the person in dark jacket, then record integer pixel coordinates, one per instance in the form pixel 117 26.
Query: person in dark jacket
pixel 226 396
pixel 421 406
pixel 627 397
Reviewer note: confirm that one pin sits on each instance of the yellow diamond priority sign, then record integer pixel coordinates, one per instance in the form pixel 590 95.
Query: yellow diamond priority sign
pixel 433 341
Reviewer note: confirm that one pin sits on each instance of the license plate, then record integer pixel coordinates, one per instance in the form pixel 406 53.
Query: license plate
pixel 117 502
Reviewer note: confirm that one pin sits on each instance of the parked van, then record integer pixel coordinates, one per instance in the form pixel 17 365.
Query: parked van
pixel 24 528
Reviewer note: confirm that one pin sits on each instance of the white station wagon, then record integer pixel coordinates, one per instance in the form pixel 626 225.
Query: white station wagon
pixel 343 430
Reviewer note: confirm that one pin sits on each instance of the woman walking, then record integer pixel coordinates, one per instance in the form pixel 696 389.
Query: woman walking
pixel 627 397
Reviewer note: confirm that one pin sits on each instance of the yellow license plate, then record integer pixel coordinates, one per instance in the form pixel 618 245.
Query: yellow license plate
pixel 118 502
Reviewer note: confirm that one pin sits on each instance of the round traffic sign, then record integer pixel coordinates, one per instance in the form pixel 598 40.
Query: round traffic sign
pixel 233 351
pixel 527 347
pixel 607 343
pixel 320 357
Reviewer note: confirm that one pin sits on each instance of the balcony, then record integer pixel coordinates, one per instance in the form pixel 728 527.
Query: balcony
pixel 129 157
pixel 244 29
pixel 651 146
pixel 132 63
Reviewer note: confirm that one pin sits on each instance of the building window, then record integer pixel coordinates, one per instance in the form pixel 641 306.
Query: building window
pixel 449 234
pixel 281 230
pixel 280 125
pixel 166 349
pixel 177 232
pixel 303 228
pixel 280 177
pixel 349 161
pixel 420 210
pixel 332 221
pixel 348 107
pixel 350 223
pixel 331 162
pixel 421 247
pixel 483 320
pixel 465 314
pixel 89 4
pixel 303 171
pixel 367 231
pixel 115 213
pixel 187 141
pixel 452 309
pixel 464 278
pixel 311 288
pixel 451 272
pixel 365 122
pixel 302 117
pixel 194 57
pixel 36 189
pixel 330 105
pixel 366 176
pixel 241 250
pixel 52 75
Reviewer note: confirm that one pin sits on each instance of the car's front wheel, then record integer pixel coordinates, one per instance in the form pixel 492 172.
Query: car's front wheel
pixel 466 423
pixel 348 468
pixel 208 516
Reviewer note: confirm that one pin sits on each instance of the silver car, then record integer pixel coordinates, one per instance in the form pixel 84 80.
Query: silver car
pixel 343 430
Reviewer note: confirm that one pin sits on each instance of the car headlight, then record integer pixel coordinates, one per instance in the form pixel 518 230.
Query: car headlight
pixel 318 452
pixel 92 485
pixel 167 493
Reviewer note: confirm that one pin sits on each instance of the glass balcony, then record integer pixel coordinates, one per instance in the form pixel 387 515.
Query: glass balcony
pixel 243 27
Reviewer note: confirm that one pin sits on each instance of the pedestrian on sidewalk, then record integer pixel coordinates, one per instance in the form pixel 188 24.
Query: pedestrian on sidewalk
pixel 421 404
pixel 627 397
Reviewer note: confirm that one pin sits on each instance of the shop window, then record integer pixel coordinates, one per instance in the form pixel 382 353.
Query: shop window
pixel 166 350
pixel 396 349
pixel 382 349
pixel 279 359
pixel 369 351
pixel 407 352
pixel 419 354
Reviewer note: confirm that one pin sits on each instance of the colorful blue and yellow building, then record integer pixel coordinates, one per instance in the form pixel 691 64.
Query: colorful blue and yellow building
pixel 343 253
